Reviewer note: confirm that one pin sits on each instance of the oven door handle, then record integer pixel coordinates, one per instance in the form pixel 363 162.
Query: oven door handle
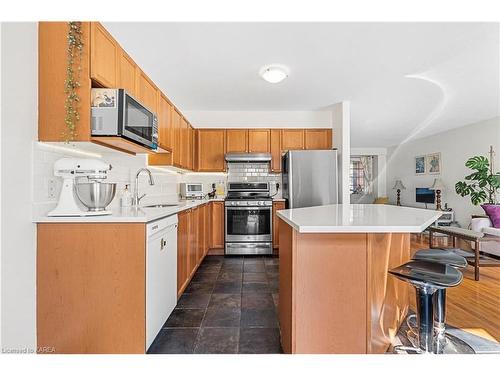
pixel 261 208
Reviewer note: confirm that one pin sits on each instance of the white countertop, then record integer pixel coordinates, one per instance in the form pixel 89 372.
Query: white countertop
pixel 359 218
pixel 130 214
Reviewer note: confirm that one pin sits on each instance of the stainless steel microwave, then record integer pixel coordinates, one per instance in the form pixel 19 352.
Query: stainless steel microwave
pixel 116 113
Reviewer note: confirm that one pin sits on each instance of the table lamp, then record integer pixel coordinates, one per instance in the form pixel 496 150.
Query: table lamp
pixel 399 186
pixel 438 186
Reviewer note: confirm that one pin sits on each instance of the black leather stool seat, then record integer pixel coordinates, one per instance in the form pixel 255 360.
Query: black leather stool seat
pixel 429 273
pixel 442 256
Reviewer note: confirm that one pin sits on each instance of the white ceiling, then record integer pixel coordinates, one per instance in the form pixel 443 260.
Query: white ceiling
pixel 454 69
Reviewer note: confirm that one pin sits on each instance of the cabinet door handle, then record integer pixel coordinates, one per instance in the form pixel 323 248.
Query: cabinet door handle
pixel 163 243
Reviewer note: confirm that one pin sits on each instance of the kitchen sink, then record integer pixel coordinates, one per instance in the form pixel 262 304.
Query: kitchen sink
pixel 161 205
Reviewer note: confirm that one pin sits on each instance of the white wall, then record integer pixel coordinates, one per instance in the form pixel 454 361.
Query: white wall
pixel 18 126
pixel 341 124
pixel 259 119
pixel 455 146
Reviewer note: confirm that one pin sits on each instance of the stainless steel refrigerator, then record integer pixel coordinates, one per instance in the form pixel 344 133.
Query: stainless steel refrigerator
pixel 310 178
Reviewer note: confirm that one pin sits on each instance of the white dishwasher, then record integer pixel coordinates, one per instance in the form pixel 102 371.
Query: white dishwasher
pixel 161 274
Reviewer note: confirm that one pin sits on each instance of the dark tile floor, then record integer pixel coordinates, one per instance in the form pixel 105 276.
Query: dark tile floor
pixel 230 306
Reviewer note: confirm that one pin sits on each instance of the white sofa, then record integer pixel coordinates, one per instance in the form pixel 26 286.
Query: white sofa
pixel 484 225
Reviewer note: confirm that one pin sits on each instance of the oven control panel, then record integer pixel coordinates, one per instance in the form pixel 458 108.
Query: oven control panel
pixel 250 203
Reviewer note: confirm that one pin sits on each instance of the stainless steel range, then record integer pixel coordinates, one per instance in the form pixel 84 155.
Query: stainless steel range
pixel 249 219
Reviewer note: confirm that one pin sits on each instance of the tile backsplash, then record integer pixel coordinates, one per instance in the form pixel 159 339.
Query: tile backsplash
pixel 166 188
pixel 254 172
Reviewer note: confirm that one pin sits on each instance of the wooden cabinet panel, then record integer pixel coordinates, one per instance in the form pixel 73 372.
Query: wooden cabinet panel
pixel 91 283
pixel 200 250
pixel 259 140
pixel 292 139
pixel 190 148
pixel 236 140
pixel 193 241
pixel 275 147
pixel 208 221
pixel 52 50
pixel 217 229
pixel 184 143
pixel 165 138
pixel 176 128
pixel 127 75
pixel 104 52
pixel 318 139
pixel 211 147
pixel 147 93
pixel 183 246
pixel 276 207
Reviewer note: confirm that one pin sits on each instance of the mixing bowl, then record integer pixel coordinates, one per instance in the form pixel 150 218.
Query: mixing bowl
pixel 95 195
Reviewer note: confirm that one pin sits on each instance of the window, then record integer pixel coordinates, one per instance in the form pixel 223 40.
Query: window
pixel 356 177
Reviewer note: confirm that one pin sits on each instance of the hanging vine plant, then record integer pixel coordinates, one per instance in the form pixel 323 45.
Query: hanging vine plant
pixel 72 82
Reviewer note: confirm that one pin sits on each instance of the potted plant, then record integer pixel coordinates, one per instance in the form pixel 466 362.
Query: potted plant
pixel 483 184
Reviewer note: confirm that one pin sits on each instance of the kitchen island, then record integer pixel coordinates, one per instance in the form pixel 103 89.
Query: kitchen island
pixel 335 292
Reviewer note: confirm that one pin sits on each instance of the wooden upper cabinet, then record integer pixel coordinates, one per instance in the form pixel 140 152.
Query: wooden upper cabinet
pixel 292 139
pixel 147 93
pixel 318 139
pixel 211 147
pixel 236 140
pixel 184 144
pixel 52 57
pixel 165 130
pixel 275 147
pixel 190 147
pixel 104 51
pixel 127 75
pixel 176 128
pixel 259 140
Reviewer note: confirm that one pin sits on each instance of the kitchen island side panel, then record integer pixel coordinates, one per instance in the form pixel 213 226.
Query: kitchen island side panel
pixel 286 314
pixel 388 298
pixel 330 282
pixel 91 287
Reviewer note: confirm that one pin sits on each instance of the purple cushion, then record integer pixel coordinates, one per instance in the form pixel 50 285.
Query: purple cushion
pixel 493 212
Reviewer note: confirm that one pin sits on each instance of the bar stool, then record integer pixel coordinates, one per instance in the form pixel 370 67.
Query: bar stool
pixel 427 278
pixel 442 256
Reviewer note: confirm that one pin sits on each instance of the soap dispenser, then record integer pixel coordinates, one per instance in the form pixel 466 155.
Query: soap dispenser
pixel 126 197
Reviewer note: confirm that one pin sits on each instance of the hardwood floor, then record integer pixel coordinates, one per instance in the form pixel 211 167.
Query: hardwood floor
pixel 473 305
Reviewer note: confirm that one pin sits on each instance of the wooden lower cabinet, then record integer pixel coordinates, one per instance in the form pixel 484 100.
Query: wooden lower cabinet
pixel 192 242
pixel 276 207
pixel 202 243
pixel 91 287
pixel 217 225
pixel 183 248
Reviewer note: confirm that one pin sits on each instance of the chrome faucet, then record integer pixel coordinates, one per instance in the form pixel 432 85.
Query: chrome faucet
pixel 136 191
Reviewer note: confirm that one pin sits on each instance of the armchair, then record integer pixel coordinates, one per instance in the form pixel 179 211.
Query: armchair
pixel 484 225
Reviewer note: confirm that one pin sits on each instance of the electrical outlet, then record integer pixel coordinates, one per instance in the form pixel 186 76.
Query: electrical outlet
pixel 51 188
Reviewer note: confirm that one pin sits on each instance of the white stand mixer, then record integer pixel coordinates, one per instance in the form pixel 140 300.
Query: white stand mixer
pixel 70 169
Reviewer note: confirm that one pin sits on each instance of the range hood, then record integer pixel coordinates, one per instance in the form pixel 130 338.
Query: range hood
pixel 245 157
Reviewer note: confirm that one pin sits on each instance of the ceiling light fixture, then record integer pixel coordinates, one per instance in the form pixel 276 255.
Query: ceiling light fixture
pixel 274 73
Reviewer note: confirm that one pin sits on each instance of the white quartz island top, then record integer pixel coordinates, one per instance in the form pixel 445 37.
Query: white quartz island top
pixel 359 218
pixel 139 214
